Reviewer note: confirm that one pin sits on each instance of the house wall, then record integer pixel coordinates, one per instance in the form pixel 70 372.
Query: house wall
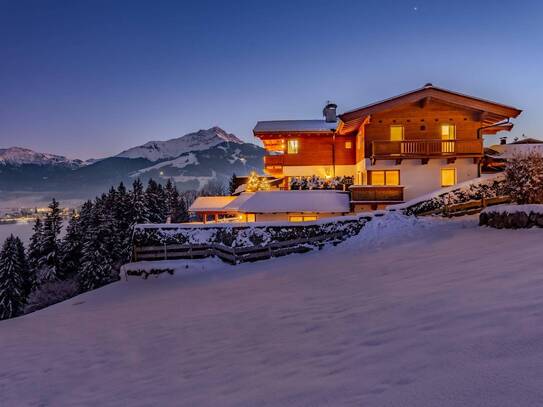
pixel 320 170
pixel 422 123
pixel 275 217
pixel 421 179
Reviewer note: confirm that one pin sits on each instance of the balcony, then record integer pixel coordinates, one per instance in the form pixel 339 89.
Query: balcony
pixel 376 194
pixel 425 149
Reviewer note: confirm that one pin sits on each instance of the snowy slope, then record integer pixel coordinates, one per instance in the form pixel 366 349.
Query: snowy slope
pixel 17 156
pixel 200 140
pixel 410 313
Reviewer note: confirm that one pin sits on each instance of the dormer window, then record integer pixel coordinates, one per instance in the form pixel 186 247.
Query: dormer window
pixel 293 147
pixel 396 132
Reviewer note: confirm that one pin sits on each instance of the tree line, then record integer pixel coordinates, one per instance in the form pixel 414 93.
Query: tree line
pixel 89 255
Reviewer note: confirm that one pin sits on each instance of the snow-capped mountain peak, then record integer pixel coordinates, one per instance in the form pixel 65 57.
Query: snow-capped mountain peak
pixel 22 156
pixel 197 141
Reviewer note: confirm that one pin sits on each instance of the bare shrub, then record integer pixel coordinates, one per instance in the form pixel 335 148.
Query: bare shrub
pixel 524 177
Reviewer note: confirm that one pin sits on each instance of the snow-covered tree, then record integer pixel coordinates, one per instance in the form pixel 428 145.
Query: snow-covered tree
pixel 35 247
pixel 524 177
pixel 13 272
pixel 70 258
pixel 156 202
pixel 96 258
pixel 140 212
pixel 177 211
pixel 49 262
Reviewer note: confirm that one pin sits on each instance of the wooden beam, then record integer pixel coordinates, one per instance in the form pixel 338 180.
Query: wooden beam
pixel 424 102
pixel 398 161
pixel 424 161
pixel 451 160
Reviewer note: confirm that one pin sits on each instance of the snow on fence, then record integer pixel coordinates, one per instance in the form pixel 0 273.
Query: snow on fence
pixel 512 216
pixel 236 243
pixel 465 198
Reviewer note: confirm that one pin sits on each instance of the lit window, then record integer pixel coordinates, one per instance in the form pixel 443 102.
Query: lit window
pixel 377 177
pixel 307 218
pixel 448 132
pixel 248 217
pixel 391 177
pixel 292 147
pixel 396 133
pixel 348 144
pixel 448 177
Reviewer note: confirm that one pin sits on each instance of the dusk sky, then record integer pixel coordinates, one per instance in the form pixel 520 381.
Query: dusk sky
pixel 91 78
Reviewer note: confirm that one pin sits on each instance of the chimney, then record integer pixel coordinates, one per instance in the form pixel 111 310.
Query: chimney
pixel 503 140
pixel 329 112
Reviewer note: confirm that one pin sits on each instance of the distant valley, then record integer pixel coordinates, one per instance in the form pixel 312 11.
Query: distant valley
pixel 29 178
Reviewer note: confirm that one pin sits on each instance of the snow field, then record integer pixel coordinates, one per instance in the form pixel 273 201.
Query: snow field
pixel 411 312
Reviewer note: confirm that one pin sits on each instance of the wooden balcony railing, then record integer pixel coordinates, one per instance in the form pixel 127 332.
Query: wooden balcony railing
pixel 384 149
pixel 376 193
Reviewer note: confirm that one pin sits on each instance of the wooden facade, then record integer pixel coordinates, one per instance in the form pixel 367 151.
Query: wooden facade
pixel 430 123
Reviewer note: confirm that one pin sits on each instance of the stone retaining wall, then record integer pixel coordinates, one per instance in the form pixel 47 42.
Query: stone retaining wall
pixel 506 219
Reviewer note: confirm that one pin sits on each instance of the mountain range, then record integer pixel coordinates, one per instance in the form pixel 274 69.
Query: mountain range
pixel 190 161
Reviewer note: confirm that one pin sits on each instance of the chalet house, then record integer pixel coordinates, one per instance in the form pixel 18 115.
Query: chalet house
pixel 394 150
pixel 496 156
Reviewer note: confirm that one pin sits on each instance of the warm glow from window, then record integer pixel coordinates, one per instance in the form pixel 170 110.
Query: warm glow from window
pixel 448 131
pixel 292 147
pixel 448 177
pixel 348 144
pixel 391 177
pixel 306 218
pixel 396 133
pixel 377 178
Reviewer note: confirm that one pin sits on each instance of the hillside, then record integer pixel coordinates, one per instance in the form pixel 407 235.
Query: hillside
pixel 409 313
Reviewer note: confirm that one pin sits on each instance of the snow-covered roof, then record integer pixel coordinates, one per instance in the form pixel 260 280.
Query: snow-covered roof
pixel 210 203
pixel 321 201
pixel 507 151
pixel 294 125
pixel 291 201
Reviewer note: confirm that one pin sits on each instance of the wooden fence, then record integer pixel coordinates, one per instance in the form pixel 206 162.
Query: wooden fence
pixel 468 208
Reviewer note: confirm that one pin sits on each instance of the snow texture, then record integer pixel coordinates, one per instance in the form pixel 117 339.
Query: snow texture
pixel 512 208
pixel 17 156
pixel 200 140
pixel 412 312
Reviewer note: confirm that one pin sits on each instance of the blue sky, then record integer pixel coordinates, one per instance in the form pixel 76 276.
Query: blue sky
pixel 91 78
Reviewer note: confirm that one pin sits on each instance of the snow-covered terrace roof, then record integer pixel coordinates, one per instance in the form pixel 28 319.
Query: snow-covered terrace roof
pixel 282 126
pixel 291 201
pixel 275 202
pixel 210 203
pixel 507 151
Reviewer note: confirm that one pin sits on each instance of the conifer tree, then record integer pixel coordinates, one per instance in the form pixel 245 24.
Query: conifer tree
pixel 140 212
pixel 49 262
pixel 12 278
pixel 155 199
pixel 177 211
pixel 35 248
pixel 232 185
pixel 122 214
pixel 96 259
pixel 71 249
